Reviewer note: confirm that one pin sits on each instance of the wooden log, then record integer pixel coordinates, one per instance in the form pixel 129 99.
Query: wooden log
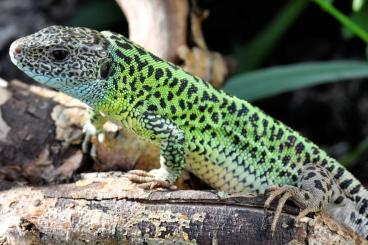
pixel 41 135
pixel 106 208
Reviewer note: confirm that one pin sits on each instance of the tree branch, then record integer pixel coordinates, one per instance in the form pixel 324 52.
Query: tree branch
pixel 106 208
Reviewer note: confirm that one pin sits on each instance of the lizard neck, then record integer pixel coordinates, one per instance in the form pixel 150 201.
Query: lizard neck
pixel 131 76
pixel 91 92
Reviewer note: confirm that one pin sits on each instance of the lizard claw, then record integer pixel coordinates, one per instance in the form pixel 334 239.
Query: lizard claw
pixel 147 180
pixel 274 191
pixel 285 192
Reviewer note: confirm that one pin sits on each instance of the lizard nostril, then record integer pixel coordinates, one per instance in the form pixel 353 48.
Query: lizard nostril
pixel 17 50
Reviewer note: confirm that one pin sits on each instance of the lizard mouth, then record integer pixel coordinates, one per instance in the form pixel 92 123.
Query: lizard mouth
pixel 15 53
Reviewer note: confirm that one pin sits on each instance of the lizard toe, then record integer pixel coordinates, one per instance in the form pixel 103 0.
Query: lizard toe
pixel 148 180
pixel 156 184
pixel 139 176
pixel 285 193
pixel 274 192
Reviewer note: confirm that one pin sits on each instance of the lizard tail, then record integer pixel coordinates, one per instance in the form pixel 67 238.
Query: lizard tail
pixel 356 202
pixel 359 217
pixel 353 213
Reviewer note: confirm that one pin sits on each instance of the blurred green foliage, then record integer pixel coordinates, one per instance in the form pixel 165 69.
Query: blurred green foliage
pixel 251 54
pixel 99 15
pixel 358 5
pixel 271 81
pixel 361 18
pixel 345 21
pixel 274 80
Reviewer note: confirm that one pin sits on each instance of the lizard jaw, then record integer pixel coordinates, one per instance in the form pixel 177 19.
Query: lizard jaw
pixel 15 53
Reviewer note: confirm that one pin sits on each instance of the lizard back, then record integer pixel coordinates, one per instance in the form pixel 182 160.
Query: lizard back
pixel 229 143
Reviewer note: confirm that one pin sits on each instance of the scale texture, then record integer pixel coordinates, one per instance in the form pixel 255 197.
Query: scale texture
pixel 227 142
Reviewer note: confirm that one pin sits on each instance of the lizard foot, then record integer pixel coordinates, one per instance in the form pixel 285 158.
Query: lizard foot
pixel 148 180
pixel 285 193
pixel 315 191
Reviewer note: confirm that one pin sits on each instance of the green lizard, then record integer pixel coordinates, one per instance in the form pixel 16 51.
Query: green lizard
pixel 228 143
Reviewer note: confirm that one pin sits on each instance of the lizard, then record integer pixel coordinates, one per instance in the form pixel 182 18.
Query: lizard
pixel 227 142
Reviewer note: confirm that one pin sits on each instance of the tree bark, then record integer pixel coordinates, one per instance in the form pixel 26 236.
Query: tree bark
pixel 41 136
pixel 164 27
pixel 106 208
pixel 158 25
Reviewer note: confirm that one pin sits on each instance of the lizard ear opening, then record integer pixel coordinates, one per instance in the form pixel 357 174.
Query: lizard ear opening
pixel 105 69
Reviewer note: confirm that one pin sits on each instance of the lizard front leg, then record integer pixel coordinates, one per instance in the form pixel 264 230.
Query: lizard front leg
pixel 92 128
pixel 316 191
pixel 172 152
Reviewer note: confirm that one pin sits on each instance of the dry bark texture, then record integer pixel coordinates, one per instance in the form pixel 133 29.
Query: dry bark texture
pixel 161 27
pixel 41 135
pixel 108 209
pixel 158 25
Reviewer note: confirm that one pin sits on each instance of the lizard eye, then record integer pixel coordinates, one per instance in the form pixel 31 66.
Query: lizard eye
pixel 59 54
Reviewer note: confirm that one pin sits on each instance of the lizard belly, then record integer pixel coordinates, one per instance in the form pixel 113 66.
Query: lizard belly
pixel 228 177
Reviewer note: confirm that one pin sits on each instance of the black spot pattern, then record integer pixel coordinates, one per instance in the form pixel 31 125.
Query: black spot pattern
pixel 150 71
pixel 124 45
pixel 363 207
pixel 183 85
pixel 339 200
pixel 125 58
pixel 340 172
pixel 318 185
pixel 152 108
pixel 159 73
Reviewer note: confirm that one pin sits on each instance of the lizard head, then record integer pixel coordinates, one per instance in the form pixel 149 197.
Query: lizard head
pixel 73 60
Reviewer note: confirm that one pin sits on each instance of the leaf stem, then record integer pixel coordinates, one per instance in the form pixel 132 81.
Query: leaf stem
pixel 252 54
pixel 343 19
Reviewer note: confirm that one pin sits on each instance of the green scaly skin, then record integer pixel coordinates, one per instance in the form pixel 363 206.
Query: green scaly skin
pixel 228 143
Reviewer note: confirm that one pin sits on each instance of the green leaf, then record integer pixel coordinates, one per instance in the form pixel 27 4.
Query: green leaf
pixel 251 54
pixel 360 18
pixel 275 80
pixel 344 20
